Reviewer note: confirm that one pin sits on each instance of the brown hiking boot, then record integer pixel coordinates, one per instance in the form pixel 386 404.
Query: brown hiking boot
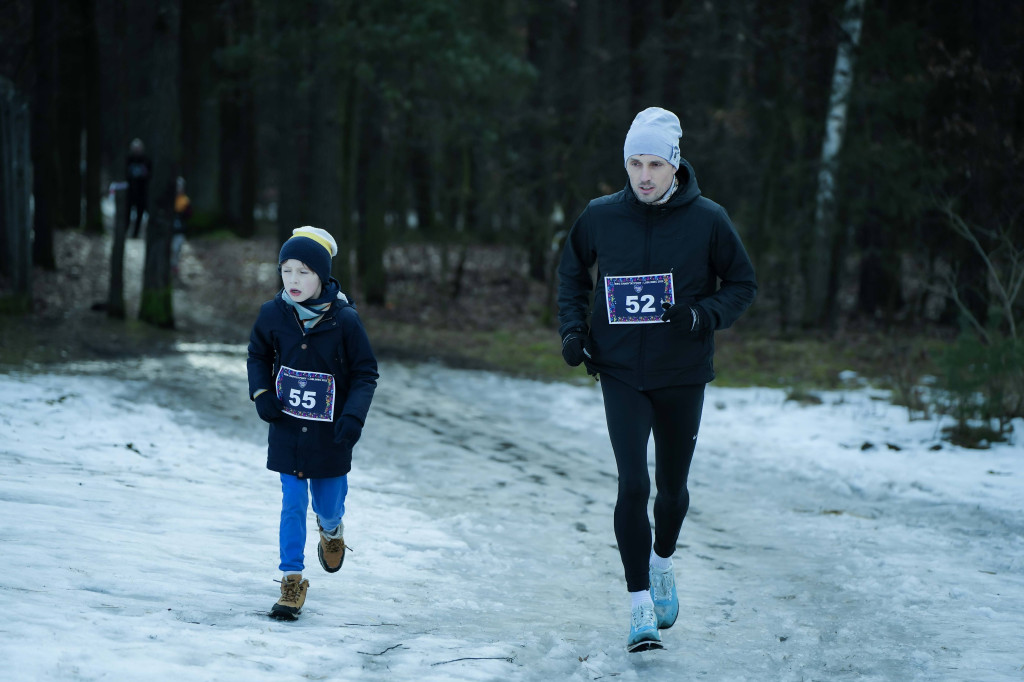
pixel 293 596
pixel 331 551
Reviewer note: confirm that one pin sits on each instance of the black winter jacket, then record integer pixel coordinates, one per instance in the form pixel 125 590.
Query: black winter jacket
pixel 689 236
pixel 337 345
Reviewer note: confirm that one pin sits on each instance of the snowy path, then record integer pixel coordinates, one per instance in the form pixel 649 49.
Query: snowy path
pixel 138 538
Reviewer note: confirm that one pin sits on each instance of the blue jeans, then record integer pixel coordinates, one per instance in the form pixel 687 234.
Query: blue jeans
pixel 328 504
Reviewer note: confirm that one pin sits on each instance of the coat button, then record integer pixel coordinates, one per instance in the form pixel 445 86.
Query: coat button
pixel 303 429
pixel 303 346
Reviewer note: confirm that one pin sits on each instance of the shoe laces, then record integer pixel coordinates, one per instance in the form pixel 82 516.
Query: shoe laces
pixel 661 584
pixel 290 589
pixel 643 616
pixel 334 545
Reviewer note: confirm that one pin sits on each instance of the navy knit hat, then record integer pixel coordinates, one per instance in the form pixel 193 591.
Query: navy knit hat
pixel 312 246
pixel 654 131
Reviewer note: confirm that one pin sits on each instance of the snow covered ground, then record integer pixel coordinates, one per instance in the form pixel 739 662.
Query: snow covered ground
pixel 834 542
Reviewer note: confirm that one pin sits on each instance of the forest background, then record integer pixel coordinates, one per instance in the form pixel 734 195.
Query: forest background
pixel 870 153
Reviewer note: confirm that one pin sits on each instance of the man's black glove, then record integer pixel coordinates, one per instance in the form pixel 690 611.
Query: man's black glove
pixel 575 346
pixel 268 406
pixel 347 430
pixel 684 314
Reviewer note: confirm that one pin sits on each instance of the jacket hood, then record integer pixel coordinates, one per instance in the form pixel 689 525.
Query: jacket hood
pixel 687 193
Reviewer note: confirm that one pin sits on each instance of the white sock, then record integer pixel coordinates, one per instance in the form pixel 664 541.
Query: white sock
pixel 641 597
pixel 661 563
pixel 337 532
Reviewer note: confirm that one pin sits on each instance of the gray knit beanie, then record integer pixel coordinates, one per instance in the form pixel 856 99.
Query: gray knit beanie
pixel 654 131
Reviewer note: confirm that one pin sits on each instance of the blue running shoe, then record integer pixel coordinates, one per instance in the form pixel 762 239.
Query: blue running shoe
pixel 666 600
pixel 643 631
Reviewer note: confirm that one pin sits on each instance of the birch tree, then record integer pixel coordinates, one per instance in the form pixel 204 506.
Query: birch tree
pixel 821 263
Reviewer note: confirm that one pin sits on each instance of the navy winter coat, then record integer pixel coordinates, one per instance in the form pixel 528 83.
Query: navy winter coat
pixel 337 345
pixel 689 236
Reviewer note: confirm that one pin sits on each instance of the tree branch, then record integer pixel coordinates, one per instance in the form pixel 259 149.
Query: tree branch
pixel 1007 285
pixel 367 653
pixel 953 292
pixel 508 659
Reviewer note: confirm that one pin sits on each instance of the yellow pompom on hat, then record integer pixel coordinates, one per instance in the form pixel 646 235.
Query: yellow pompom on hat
pixel 313 246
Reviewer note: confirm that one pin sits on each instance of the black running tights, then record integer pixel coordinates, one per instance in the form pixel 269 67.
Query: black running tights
pixel 673 415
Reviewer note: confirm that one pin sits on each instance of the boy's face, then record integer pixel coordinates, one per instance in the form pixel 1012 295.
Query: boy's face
pixel 650 176
pixel 299 281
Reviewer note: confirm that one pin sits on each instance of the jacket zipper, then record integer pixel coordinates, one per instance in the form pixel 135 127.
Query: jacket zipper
pixel 643 327
pixel 299 465
pixel 302 327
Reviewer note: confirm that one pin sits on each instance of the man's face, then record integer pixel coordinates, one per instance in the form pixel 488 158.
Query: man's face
pixel 650 176
pixel 299 281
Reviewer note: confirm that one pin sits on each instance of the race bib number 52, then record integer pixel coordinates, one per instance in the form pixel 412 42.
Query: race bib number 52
pixel 306 395
pixel 638 299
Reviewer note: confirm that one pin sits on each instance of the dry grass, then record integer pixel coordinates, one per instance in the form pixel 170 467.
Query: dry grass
pixel 501 320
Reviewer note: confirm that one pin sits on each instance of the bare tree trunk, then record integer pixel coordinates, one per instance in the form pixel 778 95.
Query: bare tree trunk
pixel 156 305
pixel 373 197
pixel 546 50
pixel 200 103
pixel 462 216
pixel 326 136
pixel 44 149
pixel 237 127
pixel 237 179
pixel 650 64
pixel 114 61
pixel 606 99
pixel 69 114
pixel 112 95
pixel 348 240
pixel 15 192
pixel 819 284
pixel 115 295
pixel 290 111
pixel 93 123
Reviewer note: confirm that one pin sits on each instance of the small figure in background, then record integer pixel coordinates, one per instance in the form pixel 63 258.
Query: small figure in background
pixel 138 170
pixel 182 212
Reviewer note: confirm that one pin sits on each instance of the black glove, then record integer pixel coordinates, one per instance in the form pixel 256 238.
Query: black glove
pixel 697 320
pixel 575 346
pixel 347 430
pixel 268 406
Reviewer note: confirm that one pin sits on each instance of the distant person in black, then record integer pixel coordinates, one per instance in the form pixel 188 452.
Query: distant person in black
pixel 671 270
pixel 138 170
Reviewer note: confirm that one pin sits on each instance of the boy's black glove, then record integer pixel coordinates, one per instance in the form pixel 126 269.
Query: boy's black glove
pixel 575 346
pixel 268 406
pixel 347 430
pixel 686 314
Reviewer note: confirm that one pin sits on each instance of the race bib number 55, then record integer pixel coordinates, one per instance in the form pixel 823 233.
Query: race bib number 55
pixel 306 395
pixel 638 299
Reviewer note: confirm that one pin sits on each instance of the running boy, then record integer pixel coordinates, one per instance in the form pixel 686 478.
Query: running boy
pixel 312 375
